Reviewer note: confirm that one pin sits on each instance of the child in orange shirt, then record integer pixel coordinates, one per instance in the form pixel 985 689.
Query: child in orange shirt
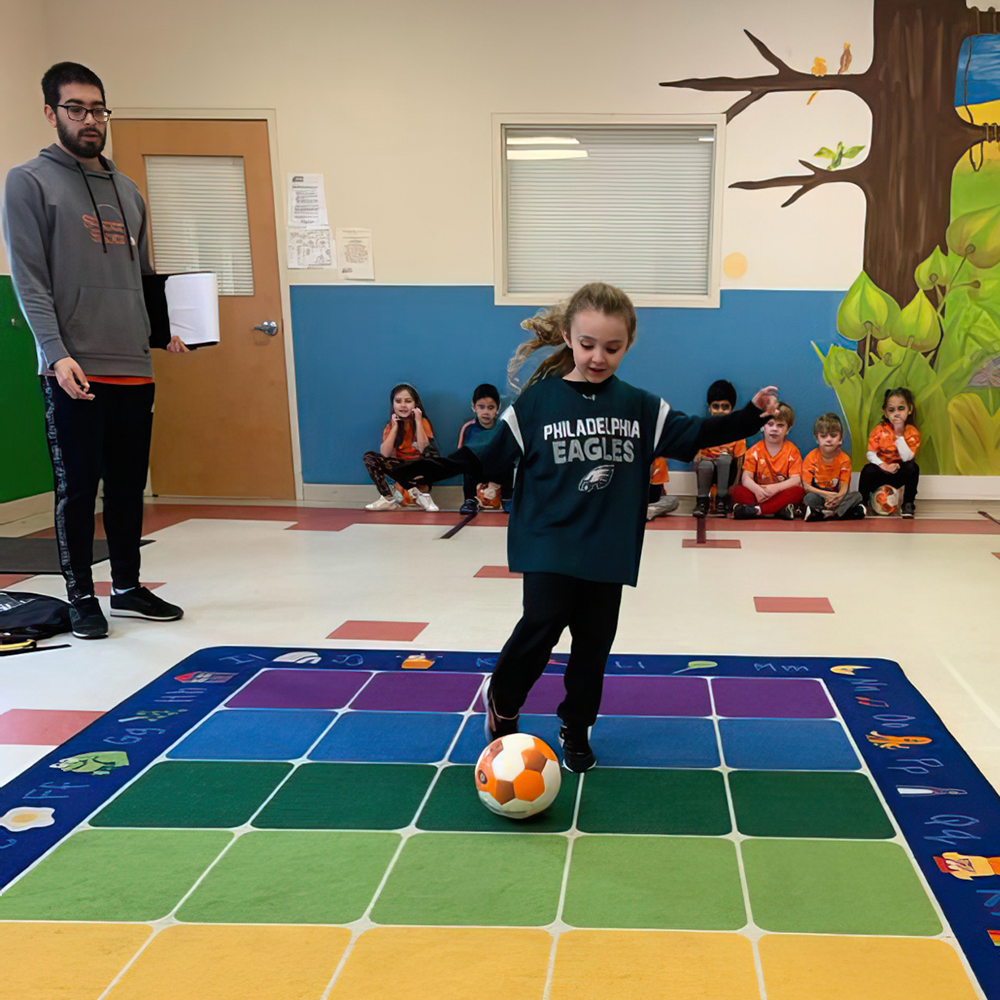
pixel 772 472
pixel 720 464
pixel 826 474
pixel 892 447
pixel 407 435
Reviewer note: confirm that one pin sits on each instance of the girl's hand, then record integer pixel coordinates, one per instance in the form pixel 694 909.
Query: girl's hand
pixel 418 414
pixel 766 399
pixel 393 419
pixel 891 467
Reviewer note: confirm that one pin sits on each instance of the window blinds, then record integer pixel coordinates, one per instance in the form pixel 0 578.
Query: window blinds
pixel 198 218
pixel 630 205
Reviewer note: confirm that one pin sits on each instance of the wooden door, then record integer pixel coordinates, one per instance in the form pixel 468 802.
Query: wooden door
pixel 222 426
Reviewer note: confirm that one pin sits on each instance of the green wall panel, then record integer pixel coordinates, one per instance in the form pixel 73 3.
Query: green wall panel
pixel 24 459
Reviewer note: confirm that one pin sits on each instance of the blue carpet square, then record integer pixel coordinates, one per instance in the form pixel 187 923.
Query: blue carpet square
pixel 389 737
pixel 473 740
pixel 254 734
pixel 787 745
pixel 638 741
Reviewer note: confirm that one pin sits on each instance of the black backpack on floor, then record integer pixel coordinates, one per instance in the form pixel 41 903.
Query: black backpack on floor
pixel 32 616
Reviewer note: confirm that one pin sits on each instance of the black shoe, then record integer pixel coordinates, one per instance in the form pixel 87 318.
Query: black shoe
pixel 787 513
pixel 469 507
pixel 577 755
pixel 745 511
pixel 495 725
pixel 721 507
pixel 87 619
pixel 701 507
pixel 141 603
pixel 908 510
pixel 856 513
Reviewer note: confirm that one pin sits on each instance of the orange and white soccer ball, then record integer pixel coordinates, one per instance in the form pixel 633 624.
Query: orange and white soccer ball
pixel 885 500
pixel 488 495
pixel 517 776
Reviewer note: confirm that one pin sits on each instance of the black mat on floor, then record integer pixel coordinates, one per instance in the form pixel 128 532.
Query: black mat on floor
pixel 40 555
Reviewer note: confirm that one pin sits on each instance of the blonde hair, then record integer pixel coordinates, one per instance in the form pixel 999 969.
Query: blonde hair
pixel 549 324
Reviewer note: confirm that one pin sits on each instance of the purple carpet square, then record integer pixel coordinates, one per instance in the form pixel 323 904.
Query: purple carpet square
pixel 771 698
pixel 300 689
pixel 419 692
pixel 545 696
pixel 685 696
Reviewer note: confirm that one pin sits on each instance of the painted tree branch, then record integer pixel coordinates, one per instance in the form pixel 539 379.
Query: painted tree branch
pixel 806 182
pixel 785 80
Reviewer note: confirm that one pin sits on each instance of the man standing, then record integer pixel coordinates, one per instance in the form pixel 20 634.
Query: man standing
pixel 77 241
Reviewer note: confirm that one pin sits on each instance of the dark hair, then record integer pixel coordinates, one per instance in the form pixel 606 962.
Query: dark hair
pixel 721 391
pixel 828 423
pixel 68 72
pixel 486 391
pixel 417 402
pixel 785 413
pixel 904 393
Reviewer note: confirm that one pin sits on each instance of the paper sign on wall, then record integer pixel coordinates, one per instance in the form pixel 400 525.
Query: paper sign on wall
pixel 307 202
pixel 309 248
pixel 354 255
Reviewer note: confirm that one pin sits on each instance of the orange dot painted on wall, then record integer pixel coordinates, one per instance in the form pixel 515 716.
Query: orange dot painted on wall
pixel 735 265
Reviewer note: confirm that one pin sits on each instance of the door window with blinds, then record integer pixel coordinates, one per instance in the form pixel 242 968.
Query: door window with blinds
pixel 635 204
pixel 198 218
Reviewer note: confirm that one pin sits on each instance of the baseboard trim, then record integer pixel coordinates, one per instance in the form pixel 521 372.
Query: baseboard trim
pixel 353 495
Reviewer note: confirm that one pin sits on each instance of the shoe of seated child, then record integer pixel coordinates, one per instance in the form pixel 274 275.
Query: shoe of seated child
pixel 787 513
pixel 470 506
pixel 507 504
pixel 383 503
pixel 662 506
pixel 745 511
pixel 423 500
pixel 722 507
pixel 700 507
pixel 909 509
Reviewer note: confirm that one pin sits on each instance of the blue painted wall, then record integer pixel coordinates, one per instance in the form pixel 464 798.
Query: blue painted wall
pixel 353 343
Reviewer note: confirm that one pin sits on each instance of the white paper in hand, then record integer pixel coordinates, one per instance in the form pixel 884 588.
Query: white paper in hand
pixel 193 307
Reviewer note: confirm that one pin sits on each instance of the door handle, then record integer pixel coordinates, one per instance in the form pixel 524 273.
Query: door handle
pixel 268 327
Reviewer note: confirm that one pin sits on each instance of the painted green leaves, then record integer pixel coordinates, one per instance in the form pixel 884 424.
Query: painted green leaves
pixel 976 236
pixel 838 155
pixel 866 311
pixel 917 325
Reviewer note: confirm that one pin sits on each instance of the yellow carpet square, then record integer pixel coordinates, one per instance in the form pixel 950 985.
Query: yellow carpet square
pixel 64 961
pixel 213 962
pixel 638 965
pixel 401 963
pixel 861 968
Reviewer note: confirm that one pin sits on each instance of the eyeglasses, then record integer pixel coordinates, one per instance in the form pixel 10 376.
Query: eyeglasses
pixel 78 113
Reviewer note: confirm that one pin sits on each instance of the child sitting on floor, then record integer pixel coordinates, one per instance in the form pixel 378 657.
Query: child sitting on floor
pixel 719 465
pixel 892 449
pixel 826 474
pixel 772 472
pixel 486 406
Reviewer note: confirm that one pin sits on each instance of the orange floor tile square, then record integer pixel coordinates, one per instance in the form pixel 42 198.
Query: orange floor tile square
pixel 794 605
pixel 861 968
pixel 384 631
pixel 41 726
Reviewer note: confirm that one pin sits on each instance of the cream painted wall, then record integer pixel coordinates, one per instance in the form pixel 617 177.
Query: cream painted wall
pixel 391 100
pixel 25 59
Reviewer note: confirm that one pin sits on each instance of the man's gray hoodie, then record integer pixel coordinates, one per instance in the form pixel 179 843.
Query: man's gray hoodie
pixel 77 245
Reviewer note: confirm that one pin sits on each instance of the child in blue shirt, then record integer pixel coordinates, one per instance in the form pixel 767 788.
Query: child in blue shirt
pixel 486 406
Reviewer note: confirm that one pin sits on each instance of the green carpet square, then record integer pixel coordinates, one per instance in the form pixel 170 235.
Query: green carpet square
pixel 196 793
pixel 454 805
pixel 654 882
pixel 489 879
pixel 348 797
pixel 649 800
pixel 833 804
pixel 836 887
pixel 293 877
pixel 114 875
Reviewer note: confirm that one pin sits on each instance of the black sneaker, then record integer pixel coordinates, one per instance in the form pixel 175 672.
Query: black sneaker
pixel 577 755
pixel 787 513
pixel 142 603
pixel 469 507
pixel 721 507
pixel 908 510
pixel 495 725
pixel 856 513
pixel 745 511
pixel 701 507
pixel 87 619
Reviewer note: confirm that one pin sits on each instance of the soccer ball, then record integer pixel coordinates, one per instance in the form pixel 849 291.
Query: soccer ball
pixel 517 776
pixel 488 495
pixel 885 500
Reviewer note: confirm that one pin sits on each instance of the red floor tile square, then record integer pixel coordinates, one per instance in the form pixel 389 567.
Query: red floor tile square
pixel 104 589
pixel 42 727
pixel 794 605
pixel 711 543
pixel 10 579
pixel 497 573
pixel 386 631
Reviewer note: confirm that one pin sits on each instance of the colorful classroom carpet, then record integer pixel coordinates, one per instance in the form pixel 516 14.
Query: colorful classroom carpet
pixel 298 825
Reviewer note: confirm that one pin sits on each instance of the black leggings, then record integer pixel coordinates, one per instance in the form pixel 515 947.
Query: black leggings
pixel 553 602
pixel 873 476
pixel 107 439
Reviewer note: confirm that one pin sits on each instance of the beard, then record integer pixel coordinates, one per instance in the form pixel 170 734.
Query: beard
pixel 86 148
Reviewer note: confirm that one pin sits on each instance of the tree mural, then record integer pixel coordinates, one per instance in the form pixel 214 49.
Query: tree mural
pixel 941 341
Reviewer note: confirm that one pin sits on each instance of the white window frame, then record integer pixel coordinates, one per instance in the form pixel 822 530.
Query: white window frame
pixel 501 122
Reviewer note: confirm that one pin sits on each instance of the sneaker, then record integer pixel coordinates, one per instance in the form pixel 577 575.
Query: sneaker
pixel 721 507
pixel 745 511
pixel 383 503
pixel 423 500
pixel 495 725
pixel 857 512
pixel 577 755
pixel 469 507
pixel 142 603
pixel 87 619
pixel 507 504
pixel 701 507
pixel 908 510
pixel 787 513
pixel 662 506
pixel 812 513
